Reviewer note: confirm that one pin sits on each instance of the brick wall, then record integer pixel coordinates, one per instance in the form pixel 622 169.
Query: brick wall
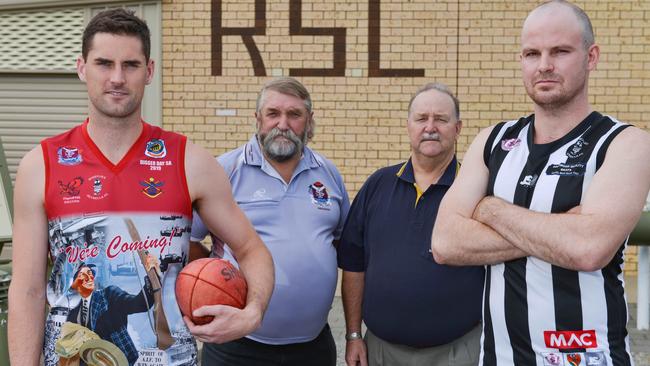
pixel 345 52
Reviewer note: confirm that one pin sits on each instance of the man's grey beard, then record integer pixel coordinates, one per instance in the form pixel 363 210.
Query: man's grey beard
pixel 282 150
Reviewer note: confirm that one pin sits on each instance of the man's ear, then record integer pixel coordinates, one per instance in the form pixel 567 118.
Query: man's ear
pixel 81 68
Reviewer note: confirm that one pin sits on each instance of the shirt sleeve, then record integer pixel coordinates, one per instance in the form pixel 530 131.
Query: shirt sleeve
pixel 350 253
pixel 199 231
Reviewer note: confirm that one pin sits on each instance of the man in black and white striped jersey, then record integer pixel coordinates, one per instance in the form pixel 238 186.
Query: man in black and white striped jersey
pixel 547 202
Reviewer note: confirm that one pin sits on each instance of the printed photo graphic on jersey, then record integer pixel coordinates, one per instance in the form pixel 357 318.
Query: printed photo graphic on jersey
pixel 319 195
pixel 156 149
pixel 69 155
pixel 152 187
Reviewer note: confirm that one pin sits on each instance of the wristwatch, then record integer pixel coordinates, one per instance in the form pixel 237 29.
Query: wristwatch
pixel 353 336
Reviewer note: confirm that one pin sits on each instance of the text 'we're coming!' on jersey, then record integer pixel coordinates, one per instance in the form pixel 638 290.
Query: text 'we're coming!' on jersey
pixel 106 223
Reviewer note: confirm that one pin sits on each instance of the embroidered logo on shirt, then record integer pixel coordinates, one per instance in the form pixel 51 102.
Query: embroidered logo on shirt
pixel 152 187
pixel 319 195
pixel 529 181
pixel 510 144
pixel 98 192
pixel 260 194
pixel 156 149
pixel 69 155
pixel 595 358
pixel 553 359
pixel 566 169
pixel 575 150
pixel 574 359
pixel 570 339
pixel 71 188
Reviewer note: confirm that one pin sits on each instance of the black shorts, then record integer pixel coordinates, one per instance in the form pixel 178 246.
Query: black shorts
pixel 246 352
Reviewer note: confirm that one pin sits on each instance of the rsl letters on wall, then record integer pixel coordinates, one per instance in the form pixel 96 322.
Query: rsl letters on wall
pixel 296 29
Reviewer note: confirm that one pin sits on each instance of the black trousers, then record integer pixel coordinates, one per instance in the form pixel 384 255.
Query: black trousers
pixel 245 352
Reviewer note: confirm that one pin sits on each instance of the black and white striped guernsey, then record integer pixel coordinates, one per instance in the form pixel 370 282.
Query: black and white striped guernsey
pixel 535 313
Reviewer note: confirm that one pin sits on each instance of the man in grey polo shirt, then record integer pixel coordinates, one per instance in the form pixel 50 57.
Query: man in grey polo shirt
pixel 297 202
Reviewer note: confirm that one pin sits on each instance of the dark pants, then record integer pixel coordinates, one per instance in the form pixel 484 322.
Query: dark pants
pixel 245 352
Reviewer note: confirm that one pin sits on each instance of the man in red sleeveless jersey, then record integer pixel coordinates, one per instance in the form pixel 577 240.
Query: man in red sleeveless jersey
pixel 134 186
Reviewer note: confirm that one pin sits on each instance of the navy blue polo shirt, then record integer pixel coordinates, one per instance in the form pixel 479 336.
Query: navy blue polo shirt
pixel 408 298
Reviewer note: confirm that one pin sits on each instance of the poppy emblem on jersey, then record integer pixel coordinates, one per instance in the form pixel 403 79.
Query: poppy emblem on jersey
pixel 69 155
pixel 553 359
pixel 574 359
pixel 319 195
pixel 510 144
pixel 152 187
pixel 98 192
pixel 595 359
pixel 71 188
pixel 156 149
pixel 575 150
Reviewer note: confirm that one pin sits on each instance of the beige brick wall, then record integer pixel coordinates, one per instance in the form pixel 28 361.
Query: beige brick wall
pixel 470 45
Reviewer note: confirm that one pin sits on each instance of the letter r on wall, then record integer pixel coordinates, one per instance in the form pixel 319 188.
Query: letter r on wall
pixel 246 33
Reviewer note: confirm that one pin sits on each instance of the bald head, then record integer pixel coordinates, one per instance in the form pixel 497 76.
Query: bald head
pixel 559 8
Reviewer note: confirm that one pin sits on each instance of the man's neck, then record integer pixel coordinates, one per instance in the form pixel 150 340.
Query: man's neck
pixel 553 123
pixel 428 170
pixel 114 136
pixel 285 168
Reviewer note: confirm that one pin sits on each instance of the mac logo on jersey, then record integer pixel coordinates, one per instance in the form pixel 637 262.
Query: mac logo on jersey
pixel 570 339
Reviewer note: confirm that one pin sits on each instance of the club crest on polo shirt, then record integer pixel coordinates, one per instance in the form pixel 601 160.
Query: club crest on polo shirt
pixel 319 196
pixel 156 149
pixel 69 155
pixel 510 144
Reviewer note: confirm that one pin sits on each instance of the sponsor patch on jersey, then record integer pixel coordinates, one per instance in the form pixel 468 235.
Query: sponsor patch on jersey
pixel 156 149
pixel 319 196
pixel 510 144
pixel 574 359
pixel 595 358
pixel 553 359
pixel 566 169
pixel 529 181
pixel 570 339
pixel 71 188
pixel 98 191
pixel 575 150
pixel 152 187
pixel 69 155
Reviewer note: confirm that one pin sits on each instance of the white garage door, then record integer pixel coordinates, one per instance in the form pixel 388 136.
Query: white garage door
pixel 35 107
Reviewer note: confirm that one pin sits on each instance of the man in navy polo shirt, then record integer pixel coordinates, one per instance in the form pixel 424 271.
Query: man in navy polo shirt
pixel 417 312
pixel 297 203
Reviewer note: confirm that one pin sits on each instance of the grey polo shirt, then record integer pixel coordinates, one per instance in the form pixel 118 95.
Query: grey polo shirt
pixel 297 222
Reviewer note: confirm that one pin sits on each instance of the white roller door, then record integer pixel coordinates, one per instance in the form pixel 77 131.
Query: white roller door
pixel 35 107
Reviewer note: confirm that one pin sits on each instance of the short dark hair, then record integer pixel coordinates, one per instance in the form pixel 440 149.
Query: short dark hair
pixel 118 21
